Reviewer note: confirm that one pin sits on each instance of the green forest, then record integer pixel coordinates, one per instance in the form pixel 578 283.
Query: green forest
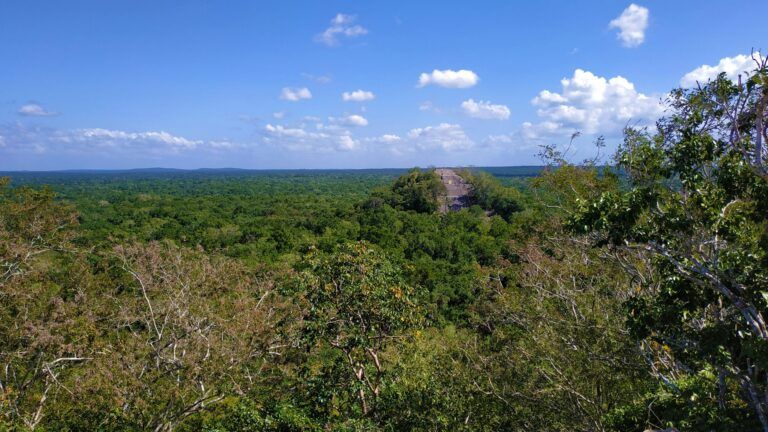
pixel 625 295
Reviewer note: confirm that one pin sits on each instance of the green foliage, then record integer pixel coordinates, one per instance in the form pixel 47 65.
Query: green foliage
pixel 357 303
pixel 44 318
pixel 243 415
pixel 356 295
pixel 488 193
pixel 689 403
pixel 418 190
pixel 693 225
pixel 586 298
pixel 444 384
pixel 327 301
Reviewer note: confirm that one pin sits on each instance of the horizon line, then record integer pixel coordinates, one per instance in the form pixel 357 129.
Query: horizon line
pixel 71 170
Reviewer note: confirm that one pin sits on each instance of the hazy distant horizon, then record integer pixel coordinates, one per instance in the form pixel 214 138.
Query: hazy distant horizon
pixel 224 169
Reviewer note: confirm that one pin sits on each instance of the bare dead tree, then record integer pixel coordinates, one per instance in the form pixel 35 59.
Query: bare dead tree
pixel 193 330
pixel 36 352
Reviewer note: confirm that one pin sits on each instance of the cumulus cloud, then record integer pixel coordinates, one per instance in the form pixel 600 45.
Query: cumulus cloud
pixel 357 96
pixel 500 140
pixel 534 132
pixel 294 94
pixel 389 138
pixel 513 142
pixel 485 110
pixel 732 66
pixel 386 139
pixel 350 120
pixel 341 26
pixel 323 140
pixel 282 131
pixel 112 137
pixel 35 110
pixel 21 138
pixel 631 24
pixel 445 136
pixel 449 78
pixel 593 104
pixel 278 114
pixel 347 143
pixel 393 143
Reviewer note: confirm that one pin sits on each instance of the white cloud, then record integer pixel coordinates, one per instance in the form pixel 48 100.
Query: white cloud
pixel 428 141
pixel 341 26
pixel 278 115
pixel 500 139
pixel 325 140
pixel 20 138
pixel 732 66
pixel 386 139
pixel 485 110
pixel 513 141
pixel 390 138
pixel 449 78
pixel 35 110
pixel 357 96
pixel 395 144
pixel 593 105
pixel 283 132
pixel 346 142
pixel 631 24
pixel 223 144
pixel 445 136
pixel 295 94
pixel 546 96
pixel 429 106
pixel 116 137
pixel 356 120
pixel 545 128
pixel 350 120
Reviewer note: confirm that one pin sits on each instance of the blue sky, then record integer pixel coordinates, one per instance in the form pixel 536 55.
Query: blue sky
pixel 126 84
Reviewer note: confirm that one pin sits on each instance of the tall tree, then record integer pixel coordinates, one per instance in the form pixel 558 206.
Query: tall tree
pixel 696 214
pixel 184 331
pixel 43 318
pixel 358 304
